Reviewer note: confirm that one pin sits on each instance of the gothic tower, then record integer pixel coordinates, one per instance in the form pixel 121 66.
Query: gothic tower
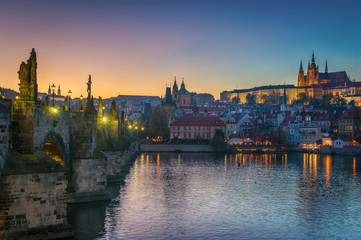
pixel 312 72
pixel 175 91
pixel 301 77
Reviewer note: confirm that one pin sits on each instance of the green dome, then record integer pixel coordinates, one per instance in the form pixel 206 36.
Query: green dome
pixel 183 92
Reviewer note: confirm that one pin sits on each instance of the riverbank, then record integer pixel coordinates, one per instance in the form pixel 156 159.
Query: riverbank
pixel 175 148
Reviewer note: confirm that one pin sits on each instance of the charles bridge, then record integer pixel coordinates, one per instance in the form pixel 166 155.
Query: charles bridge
pixel 50 157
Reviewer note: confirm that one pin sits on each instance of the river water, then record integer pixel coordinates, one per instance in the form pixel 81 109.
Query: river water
pixel 242 196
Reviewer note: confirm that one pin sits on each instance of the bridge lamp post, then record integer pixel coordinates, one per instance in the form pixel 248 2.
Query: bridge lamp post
pixel 81 101
pixel 53 88
pixel 136 128
pixel 69 95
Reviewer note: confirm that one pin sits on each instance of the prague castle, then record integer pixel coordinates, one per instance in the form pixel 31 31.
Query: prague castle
pixel 314 77
pixel 315 84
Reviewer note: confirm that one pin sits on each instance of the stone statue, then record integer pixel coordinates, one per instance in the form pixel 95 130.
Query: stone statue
pixel 100 112
pixel 28 80
pixel 89 90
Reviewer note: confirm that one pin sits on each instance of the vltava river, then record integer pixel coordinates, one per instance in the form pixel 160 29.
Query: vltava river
pixel 243 196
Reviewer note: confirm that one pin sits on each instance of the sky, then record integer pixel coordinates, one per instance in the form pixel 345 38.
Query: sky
pixel 137 47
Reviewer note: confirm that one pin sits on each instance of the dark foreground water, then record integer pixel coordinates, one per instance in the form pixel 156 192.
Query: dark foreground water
pixel 243 196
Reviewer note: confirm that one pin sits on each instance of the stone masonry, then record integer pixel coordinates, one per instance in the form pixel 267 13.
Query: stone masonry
pixel 32 200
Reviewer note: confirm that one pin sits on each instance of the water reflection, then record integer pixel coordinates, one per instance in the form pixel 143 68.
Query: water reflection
pixel 236 196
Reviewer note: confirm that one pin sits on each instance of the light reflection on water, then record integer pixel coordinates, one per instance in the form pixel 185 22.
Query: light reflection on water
pixel 243 196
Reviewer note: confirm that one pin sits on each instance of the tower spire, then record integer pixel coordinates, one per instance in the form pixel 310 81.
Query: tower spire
pixel 326 68
pixel 284 96
pixel 313 64
pixel 175 86
pixel 301 68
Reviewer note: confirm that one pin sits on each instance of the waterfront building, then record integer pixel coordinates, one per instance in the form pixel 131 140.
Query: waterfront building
pixel 237 124
pixel 196 127
pixel 349 122
pixel 310 133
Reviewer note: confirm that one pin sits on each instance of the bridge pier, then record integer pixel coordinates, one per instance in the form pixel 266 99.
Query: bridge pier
pixel 88 166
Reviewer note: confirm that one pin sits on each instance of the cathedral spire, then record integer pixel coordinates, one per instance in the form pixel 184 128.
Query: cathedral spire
pixel 313 64
pixel 326 68
pixel 301 68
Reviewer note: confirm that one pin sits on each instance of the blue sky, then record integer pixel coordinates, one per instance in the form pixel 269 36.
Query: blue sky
pixel 137 47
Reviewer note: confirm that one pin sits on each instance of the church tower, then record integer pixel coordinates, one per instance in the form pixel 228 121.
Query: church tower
pixel 301 77
pixel 312 72
pixel 59 91
pixel 183 86
pixel 175 91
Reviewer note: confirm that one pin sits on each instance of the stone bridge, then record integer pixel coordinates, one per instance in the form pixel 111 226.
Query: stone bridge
pixel 48 159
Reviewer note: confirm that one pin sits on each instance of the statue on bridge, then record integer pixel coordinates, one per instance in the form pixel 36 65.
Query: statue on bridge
pixel 28 80
pixel 90 101
pixel 89 90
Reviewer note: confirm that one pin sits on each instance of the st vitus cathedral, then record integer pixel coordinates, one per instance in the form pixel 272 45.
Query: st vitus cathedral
pixel 314 77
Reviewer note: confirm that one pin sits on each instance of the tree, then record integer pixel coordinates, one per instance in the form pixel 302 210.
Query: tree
pixel 302 98
pixel 217 142
pixel 271 99
pixel 338 102
pixel 274 97
pixel 326 100
pixel 46 102
pixel 113 111
pixel 281 135
pixel 351 103
pixel 158 123
pixel 123 127
pixel 236 100
pixel 250 99
pixel 265 99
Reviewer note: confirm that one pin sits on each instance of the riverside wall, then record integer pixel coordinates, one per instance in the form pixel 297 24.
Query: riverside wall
pixel 118 161
pixel 175 148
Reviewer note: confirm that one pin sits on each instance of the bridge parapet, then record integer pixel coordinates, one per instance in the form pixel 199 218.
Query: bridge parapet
pixel 5 124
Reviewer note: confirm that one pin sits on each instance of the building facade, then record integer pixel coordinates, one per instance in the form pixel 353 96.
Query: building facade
pixel 349 123
pixel 196 127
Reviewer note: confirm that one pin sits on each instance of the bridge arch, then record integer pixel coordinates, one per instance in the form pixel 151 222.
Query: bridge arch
pixel 53 145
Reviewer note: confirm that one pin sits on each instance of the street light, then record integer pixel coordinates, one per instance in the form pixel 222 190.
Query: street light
pixel 53 88
pixel 81 101
pixel 69 95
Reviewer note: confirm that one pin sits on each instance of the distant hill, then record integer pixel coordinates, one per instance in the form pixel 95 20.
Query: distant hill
pixel 8 93
pixel 11 94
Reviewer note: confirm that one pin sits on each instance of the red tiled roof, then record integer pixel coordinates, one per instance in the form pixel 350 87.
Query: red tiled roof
pixel 188 120
pixel 322 116
pixel 352 113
